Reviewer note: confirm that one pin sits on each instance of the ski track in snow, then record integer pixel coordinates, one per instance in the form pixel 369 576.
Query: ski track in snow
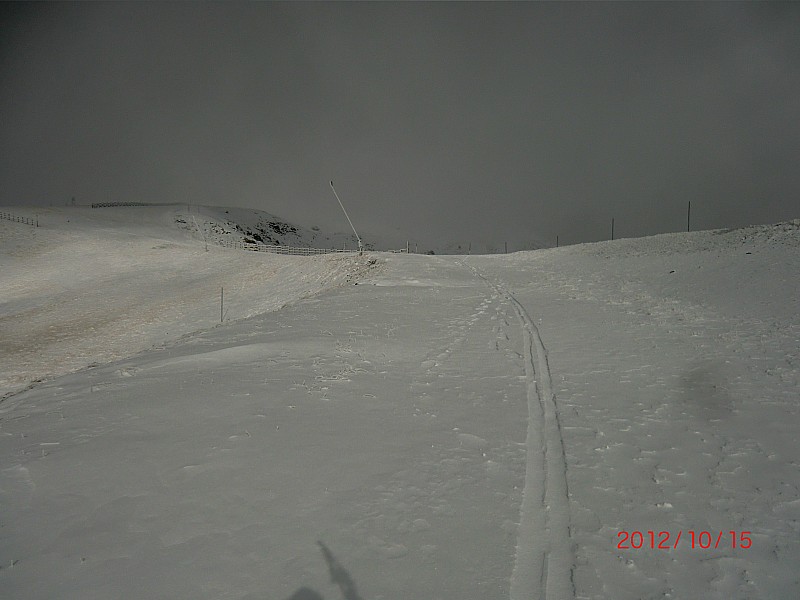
pixel 544 559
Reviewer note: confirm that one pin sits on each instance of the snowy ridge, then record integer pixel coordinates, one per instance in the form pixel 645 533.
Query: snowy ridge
pixel 250 226
pixel 543 563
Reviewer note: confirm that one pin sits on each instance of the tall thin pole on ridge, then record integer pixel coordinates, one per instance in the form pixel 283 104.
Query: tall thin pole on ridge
pixel 360 245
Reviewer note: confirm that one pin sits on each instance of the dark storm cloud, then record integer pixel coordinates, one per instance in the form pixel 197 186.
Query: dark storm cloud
pixel 483 121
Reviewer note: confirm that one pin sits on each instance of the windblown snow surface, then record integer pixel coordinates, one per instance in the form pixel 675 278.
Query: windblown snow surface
pixel 473 427
pixel 94 285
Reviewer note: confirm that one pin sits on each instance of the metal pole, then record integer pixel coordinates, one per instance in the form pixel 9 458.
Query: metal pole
pixel 360 245
pixel 689 217
pixel 612 228
pixel 221 302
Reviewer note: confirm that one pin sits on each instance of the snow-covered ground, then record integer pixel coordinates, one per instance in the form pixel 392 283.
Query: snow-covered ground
pixel 474 427
pixel 95 285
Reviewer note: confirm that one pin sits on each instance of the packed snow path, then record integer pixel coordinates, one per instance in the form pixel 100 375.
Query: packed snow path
pixel 544 515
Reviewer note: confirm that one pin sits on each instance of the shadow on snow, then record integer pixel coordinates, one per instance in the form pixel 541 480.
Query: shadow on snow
pixel 339 576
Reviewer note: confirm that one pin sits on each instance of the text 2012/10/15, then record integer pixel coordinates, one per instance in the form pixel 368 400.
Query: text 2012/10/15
pixel 666 540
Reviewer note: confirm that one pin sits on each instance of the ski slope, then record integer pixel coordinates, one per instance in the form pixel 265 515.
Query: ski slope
pixel 474 427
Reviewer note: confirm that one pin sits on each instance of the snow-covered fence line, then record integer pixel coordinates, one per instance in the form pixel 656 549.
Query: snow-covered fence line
pixel 110 204
pixel 281 249
pixel 18 219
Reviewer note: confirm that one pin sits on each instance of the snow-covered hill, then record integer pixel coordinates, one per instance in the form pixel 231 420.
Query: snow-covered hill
pixel 611 420
pixel 256 226
pixel 93 285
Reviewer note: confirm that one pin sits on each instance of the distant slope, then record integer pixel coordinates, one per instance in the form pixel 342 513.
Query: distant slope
pixel 234 224
pixel 256 226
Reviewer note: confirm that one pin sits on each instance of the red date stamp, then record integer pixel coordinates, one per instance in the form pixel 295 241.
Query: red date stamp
pixel 667 540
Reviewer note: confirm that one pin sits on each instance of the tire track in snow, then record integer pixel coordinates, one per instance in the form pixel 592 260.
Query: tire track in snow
pixel 544 559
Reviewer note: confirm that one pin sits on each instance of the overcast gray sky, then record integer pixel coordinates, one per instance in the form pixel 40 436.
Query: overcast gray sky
pixel 487 121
